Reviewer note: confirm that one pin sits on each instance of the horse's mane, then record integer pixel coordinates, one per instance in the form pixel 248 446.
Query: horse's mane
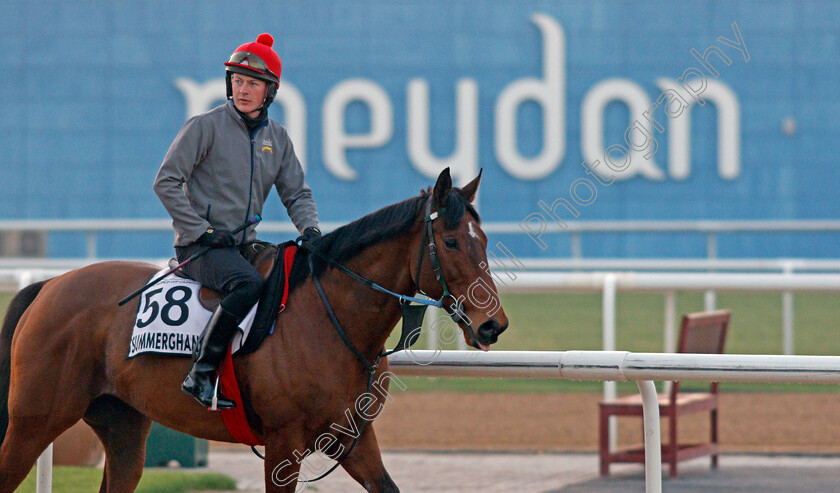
pixel 349 240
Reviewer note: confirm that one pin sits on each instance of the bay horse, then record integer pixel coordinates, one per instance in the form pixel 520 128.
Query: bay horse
pixel 64 343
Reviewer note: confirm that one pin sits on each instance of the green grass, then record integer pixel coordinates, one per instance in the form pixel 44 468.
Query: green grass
pixel 572 321
pixel 87 479
pixel 568 321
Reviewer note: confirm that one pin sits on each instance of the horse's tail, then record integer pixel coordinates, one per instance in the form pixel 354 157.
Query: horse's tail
pixel 18 305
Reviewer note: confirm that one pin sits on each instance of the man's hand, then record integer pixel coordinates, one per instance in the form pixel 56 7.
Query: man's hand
pixel 309 234
pixel 217 238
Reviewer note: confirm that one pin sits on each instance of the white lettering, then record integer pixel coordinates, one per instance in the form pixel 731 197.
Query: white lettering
pixel 336 140
pixel 592 133
pixel 203 97
pixel 464 158
pixel 728 132
pixel 294 109
pixel 200 97
pixel 550 95
pixel 548 91
pixel 671 96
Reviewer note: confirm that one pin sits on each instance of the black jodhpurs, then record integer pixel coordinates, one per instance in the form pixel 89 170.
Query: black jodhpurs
pixel 226 271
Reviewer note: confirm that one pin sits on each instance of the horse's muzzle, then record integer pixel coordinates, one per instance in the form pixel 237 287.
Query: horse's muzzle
pixel 488 332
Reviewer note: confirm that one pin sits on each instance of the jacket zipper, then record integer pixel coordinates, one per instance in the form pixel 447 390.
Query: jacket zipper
pixel 251 135
pixel 250 188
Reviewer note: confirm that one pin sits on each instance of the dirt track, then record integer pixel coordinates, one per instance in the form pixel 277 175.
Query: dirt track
pixel 780 423
pixel 791 423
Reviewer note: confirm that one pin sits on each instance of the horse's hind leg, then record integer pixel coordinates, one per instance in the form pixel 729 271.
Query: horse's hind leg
pixel 26 438
pixel 123 431
pixel 365 465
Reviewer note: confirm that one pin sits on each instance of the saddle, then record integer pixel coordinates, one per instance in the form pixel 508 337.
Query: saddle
pixel 274 263
pixel 262 255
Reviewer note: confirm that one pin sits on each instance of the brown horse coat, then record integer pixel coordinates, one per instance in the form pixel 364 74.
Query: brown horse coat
pixel 64 342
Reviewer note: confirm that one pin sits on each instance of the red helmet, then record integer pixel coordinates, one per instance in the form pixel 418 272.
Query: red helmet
pixel 259 60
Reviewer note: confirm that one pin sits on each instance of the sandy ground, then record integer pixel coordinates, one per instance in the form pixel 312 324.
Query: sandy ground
pixel 439 421
pixel 547 443
pixel 782 423
pixel 465 472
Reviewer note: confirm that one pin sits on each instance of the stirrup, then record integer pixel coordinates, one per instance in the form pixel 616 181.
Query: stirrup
pixel 214 403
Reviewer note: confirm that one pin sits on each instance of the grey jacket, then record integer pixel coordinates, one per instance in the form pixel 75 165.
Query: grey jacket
pixel 216 175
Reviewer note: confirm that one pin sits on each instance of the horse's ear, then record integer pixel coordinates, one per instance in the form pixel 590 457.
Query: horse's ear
pixel 471 188
pixel 442 188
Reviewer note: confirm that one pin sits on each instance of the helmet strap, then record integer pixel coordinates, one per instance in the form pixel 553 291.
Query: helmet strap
pixel 270 93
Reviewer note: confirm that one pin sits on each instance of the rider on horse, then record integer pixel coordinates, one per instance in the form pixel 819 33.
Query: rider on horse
pixel 218 172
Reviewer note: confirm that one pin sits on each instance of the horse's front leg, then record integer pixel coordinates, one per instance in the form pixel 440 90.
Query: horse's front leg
pixel 282 468
pixel 365 465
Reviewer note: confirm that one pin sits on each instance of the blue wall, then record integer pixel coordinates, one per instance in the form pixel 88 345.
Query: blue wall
pixel 90 106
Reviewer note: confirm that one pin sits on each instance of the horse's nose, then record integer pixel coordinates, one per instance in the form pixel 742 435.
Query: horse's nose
pixel 489 331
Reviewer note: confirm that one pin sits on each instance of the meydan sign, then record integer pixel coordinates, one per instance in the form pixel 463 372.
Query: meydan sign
pixel 635 156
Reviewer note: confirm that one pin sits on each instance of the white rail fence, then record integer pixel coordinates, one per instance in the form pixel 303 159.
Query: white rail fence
pixel 608 284
pixel 91 228
pixel 643 368
pixel 668 283
pixel 17 273
pixel 539 364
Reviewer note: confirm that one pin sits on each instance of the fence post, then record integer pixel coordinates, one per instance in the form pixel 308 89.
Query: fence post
pixel 712 253
pixel 43 476
pixel 24 279
pixel 787 314
pixel 709 300
pixel 43 473
pixel 653 451
pixel 670 330
pixel 91 244
pixel 433 340
pixel 608 328
pixel 577 248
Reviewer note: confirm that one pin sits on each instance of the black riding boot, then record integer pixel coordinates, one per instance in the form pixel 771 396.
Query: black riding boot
pixel 207 356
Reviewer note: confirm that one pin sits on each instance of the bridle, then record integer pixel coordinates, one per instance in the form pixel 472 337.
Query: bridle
pixel 456 309
pixel 412 314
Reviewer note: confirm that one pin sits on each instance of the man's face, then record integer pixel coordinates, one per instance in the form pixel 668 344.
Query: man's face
pixel 248 94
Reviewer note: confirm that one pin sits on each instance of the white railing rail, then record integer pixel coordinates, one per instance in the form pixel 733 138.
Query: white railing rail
pixel 778 265
pixel 668 283
pixel 605 282
pixel 664 264
pixel 643 368
pixel 91 227
pixel 530 282
pixel 608 284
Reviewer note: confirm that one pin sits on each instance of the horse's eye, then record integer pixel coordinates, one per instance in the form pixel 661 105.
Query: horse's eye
pixel 450 243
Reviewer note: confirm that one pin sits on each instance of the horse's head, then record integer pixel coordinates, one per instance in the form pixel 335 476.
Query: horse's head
pixel 452 263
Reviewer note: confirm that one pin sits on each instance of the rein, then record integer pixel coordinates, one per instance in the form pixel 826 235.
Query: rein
pixel 412 314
